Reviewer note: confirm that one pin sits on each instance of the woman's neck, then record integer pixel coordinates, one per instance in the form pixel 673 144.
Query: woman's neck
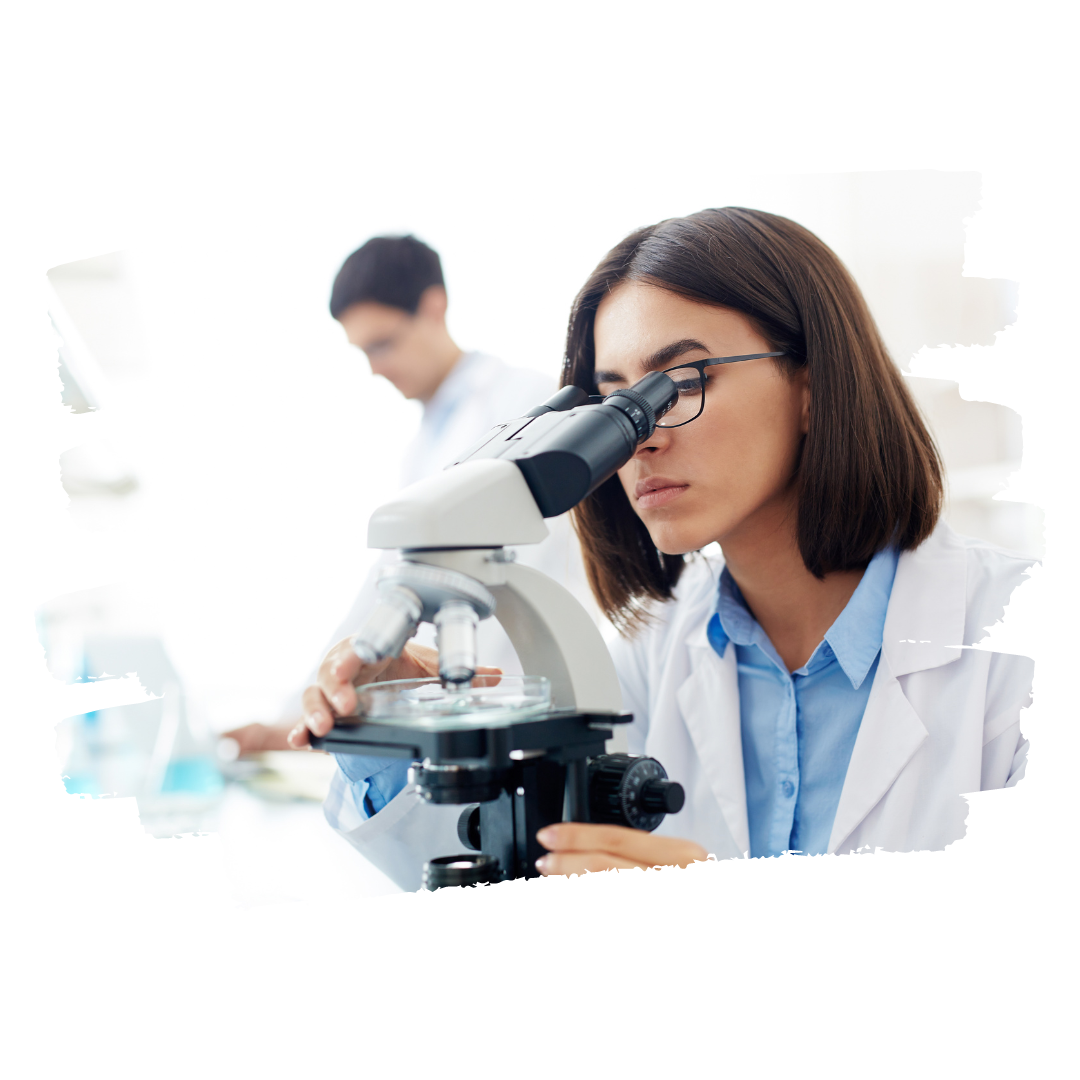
pixel 793 607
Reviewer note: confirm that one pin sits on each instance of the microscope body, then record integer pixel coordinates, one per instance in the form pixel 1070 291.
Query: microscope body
pixel 512 776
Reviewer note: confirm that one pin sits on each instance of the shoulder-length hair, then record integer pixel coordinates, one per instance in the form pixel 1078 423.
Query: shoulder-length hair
pixel 869 473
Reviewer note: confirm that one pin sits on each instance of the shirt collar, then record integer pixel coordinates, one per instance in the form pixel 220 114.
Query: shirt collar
pixel 854 639
pixel 453 387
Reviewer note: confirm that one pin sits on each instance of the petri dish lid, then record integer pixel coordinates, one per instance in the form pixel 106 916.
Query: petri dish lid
pixel 427 703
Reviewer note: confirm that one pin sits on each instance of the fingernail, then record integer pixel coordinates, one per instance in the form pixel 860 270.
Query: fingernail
pixel 313 721
pixel 542 863
pixel 546 836
pixel 341 701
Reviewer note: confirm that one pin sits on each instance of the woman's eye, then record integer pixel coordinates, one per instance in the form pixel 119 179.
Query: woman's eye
pixel 688 386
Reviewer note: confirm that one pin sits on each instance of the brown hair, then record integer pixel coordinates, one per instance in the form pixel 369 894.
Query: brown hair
pixel 869 473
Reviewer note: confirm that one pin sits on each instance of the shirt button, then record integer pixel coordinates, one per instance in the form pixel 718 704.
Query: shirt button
pixel 788 788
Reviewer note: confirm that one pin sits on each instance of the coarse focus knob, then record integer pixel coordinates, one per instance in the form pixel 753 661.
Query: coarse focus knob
pixel 629 790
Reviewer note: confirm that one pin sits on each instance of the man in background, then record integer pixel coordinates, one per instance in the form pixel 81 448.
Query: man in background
pixel 390 298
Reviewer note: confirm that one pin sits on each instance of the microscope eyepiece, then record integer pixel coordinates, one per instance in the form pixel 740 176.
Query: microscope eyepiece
pixel 645 402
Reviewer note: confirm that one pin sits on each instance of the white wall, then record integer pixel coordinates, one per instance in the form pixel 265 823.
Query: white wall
pixel 296 443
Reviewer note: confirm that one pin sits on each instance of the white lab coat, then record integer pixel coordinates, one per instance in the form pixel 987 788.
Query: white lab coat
pixel 942 719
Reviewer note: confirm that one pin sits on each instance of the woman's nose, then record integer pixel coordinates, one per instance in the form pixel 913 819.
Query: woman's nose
pixel 658 440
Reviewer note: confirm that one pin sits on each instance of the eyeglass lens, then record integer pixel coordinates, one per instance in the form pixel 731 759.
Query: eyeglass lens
pixel 691 386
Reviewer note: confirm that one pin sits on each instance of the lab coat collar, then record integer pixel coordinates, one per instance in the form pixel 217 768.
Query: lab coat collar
pixel 924 625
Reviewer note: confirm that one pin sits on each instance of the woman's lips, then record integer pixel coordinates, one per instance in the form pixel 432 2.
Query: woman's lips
pixel 657 491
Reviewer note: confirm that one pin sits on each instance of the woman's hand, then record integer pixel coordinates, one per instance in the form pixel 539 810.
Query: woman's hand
pixel 334 695
pixel 575 847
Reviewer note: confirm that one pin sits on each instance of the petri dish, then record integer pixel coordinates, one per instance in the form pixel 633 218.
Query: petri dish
pixel 427 703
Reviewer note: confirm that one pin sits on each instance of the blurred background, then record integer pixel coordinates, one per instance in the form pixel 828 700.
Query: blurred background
pixel 227 446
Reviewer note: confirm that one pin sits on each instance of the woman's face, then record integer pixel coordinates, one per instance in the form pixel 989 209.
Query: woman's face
pixel 728 474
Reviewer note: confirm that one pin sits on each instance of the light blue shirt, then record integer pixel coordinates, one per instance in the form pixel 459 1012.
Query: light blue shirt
pixel 373 781
pixel 799 728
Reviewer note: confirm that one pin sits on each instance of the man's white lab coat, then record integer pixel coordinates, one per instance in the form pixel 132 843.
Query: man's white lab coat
pixel 943 718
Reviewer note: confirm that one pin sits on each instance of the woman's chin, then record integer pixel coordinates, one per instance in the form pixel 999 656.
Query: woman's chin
pixel 678 541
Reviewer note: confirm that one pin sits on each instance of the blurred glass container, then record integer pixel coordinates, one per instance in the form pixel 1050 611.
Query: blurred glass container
pixel 426 702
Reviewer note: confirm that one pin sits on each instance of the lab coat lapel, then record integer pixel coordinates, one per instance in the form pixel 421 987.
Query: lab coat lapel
pixel 889 735
pixel 709 703
pixel 924 627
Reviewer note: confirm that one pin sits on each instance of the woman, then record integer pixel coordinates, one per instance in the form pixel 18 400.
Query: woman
pixel 809 690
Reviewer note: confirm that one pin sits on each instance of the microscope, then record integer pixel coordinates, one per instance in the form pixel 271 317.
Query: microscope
pixel 514 771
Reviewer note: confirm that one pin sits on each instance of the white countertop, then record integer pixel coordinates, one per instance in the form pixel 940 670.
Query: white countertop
pixel 282 852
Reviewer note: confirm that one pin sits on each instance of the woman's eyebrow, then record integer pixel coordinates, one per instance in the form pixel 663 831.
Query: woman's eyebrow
pixel 660 359
pixel 663 357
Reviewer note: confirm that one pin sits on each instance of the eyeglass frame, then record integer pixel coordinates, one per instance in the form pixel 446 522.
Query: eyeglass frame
pixel 701 365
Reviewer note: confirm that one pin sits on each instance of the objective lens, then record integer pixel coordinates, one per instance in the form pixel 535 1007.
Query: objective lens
pixel 455 624
pixel 389 626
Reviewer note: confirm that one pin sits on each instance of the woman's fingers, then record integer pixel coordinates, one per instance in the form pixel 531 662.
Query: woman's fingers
pixel 338 673
pixel 317 719
pixel 415 662
pixel 581 862
pixel 334 693
pixel 640 848
pixel 487 676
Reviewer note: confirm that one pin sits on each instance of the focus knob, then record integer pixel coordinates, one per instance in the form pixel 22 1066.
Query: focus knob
pixel 662 797
pixel 634 791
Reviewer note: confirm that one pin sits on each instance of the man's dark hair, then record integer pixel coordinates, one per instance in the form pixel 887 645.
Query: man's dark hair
pixel 869 473
pixel 390 270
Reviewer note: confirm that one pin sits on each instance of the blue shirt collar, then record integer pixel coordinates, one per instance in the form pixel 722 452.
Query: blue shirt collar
pixel 854 639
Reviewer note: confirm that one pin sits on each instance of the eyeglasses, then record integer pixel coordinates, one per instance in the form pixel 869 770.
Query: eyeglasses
pixel 691 386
